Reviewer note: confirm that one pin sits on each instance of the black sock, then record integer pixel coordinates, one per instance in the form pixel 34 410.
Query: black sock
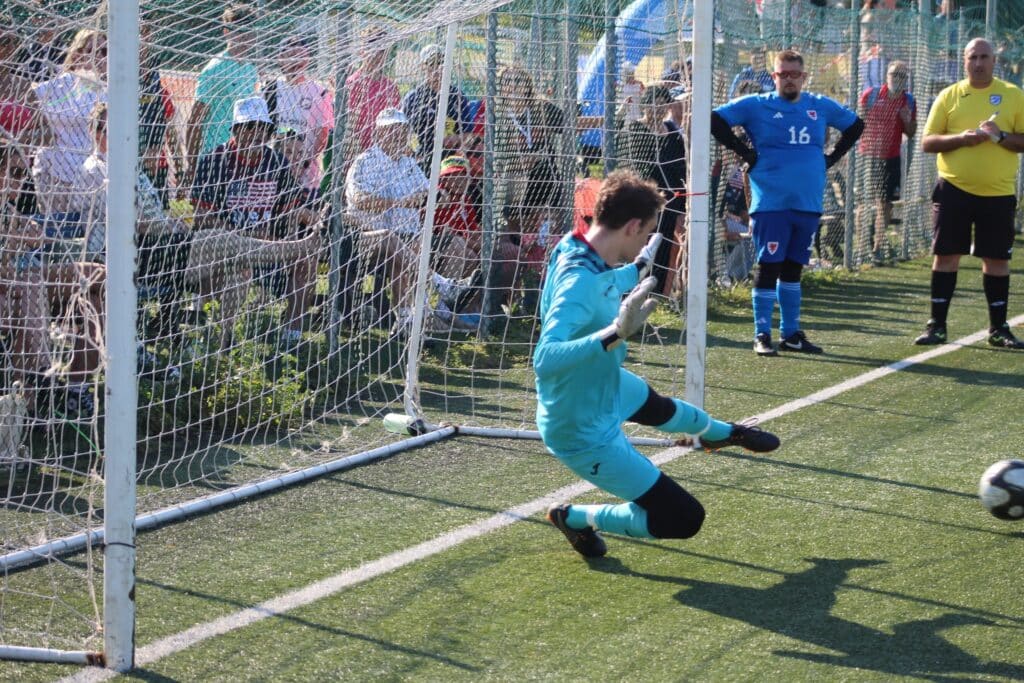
pixel 943 285
pixel 997 291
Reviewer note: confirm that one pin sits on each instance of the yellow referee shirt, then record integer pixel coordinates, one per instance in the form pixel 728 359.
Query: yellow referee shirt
pixel 987 169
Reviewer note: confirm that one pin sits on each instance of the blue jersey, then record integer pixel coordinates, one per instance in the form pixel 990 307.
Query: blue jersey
pixel 577 380
pixel 789 138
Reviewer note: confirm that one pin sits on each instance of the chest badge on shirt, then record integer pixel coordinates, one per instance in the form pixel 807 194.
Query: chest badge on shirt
pixel 778 115
pixel 995 99
pixel 772 247
pixel 813 114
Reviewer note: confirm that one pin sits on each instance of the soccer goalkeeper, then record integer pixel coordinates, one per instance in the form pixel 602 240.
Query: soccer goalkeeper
pixel 583 393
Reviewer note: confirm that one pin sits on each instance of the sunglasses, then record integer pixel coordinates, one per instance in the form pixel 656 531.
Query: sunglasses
pixel 792 75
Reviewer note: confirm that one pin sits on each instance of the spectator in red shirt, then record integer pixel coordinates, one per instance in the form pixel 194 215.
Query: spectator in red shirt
pixel 456 220
pixel 457 229
pixel 370 92
pixel 889 112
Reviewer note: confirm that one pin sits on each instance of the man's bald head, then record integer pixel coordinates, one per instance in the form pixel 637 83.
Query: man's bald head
pixel 979 45
pixel 979 62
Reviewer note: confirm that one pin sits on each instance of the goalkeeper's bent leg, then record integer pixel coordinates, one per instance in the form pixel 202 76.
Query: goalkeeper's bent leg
pixel 676 416
pixel 666 510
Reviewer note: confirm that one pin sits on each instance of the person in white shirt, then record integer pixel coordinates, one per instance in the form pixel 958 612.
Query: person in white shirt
pixel 630 92
pixel 67 102
pixel 385 190
pixel 300 104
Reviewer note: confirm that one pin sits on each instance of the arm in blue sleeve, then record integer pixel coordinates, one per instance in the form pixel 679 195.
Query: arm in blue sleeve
pixel 559 348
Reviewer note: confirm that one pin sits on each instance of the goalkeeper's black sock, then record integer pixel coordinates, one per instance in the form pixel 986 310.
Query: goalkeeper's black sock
pixel 997 291
pixel 943 286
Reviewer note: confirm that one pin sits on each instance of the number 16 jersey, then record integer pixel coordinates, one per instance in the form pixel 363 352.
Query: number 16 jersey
pixel 789 138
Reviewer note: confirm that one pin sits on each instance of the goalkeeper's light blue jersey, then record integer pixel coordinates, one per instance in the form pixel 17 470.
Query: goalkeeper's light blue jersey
pixel 577 380
pixel 789 138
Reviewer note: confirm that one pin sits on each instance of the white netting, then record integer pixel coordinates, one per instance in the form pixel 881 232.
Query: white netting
pixel 281 213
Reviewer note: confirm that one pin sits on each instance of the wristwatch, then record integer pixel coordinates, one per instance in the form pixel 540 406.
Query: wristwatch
pixel 1002 136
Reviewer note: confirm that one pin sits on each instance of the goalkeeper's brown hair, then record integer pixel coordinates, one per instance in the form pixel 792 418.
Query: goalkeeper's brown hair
pixel 623 196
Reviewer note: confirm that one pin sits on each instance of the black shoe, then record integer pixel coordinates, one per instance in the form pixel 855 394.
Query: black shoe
pixel 763 345
pixel 1003 338
pixel 935 334
pixel 586 542
pixel 745 436
pixel 798 342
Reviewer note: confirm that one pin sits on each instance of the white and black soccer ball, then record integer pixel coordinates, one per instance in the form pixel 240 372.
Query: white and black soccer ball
pixel 1001 489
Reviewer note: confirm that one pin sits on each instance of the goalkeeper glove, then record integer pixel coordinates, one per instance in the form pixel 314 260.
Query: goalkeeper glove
pixel 633 313
pixel 645 259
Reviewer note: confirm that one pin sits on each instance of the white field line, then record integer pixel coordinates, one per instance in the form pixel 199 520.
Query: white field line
pixel 321 589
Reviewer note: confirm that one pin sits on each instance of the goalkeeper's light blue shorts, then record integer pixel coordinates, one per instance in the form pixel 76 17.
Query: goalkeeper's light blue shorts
pixel 617 467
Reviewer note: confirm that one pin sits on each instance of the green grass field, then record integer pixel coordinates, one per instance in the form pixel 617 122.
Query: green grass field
pixel 858 551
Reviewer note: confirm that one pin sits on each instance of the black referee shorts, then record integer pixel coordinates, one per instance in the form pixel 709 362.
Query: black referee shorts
pixel 955 211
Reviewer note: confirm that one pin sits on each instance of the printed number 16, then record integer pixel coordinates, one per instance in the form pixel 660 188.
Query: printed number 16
pixel 799 139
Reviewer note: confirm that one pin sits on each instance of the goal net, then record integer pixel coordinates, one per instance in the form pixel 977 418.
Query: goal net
pixel 322 240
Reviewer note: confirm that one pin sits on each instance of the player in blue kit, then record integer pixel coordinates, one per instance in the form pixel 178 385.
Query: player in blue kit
pixel 788 129
pixel 583 393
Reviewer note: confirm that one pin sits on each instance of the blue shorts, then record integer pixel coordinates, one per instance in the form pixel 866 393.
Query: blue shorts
pixel 784 235
pixel 617 467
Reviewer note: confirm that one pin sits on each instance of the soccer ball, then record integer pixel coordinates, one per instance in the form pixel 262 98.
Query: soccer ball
pixel 1001 489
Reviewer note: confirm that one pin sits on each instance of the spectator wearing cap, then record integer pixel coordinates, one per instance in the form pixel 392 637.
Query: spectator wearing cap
pixel 244 185
pixel 386 189
pixel 420 106
pixel 369 91
pixel 304 109
pixel 654 149
pixel 225 79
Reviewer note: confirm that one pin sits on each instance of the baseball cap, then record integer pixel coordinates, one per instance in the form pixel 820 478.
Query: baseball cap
pixel 251 109
pixel 628 68
pixel 455 164
pixel 431 54
pixel 389 117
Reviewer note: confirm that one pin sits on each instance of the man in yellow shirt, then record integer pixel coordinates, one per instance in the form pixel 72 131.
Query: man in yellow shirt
pixel 976 127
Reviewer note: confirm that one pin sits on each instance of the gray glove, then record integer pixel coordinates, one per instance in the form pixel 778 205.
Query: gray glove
pixel 645 259
pixel 633 313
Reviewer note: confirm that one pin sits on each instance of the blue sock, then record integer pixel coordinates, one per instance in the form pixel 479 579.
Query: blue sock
pixel 790 297
pixel 689 419
pixel 625 519
pixel 764 309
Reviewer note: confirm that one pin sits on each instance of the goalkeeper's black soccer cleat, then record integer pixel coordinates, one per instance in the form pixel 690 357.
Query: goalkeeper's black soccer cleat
pixel 586 542
pixel 1003 338
pixel 745 436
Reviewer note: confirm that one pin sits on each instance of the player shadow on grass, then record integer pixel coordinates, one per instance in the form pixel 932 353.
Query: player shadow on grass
pixel 328 629
pixel 800 608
